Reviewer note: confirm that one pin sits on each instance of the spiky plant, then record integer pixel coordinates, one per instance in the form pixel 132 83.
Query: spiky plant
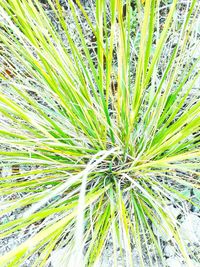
pixel 106 131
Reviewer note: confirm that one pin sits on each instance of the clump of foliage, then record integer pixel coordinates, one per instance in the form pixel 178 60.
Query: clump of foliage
pixel 109 130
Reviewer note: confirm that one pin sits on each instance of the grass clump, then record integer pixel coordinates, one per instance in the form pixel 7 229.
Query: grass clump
pixel 109 127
